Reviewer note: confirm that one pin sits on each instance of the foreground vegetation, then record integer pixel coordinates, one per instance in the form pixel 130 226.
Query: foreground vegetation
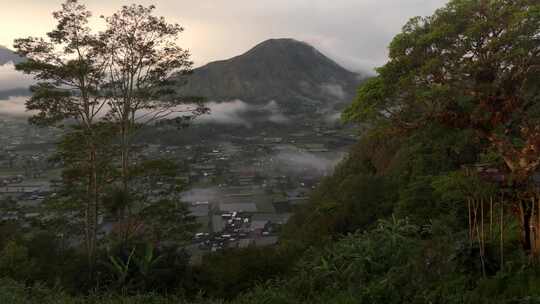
pixel 435 204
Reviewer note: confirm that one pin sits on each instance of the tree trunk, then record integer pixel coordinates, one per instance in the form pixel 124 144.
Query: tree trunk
pixel 501 239
pixel 95 200
pixel 491 218
pixel 470 222
pixel 481 243
pixel 525 214
pixel 125 145
pixel 535 226
pixel 91 209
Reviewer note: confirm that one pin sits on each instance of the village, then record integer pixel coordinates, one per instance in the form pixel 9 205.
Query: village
pixel 252 183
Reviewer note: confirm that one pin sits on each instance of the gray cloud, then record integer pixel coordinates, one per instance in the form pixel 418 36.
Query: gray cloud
pixel 300 161
pixel 238 112
pixel 11 79
pixel 274 113
pixel 334 90
pixel 225 113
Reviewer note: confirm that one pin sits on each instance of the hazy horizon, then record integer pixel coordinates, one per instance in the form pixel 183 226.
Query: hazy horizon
pixel 354 33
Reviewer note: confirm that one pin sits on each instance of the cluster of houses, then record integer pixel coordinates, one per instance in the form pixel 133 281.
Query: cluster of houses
pixel 257 192
pixel 20 199
pixel 239 217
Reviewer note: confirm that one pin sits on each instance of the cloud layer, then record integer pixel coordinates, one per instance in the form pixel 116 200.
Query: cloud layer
pixel 238 112
pixel 235 112
pixel 14 106
pixel 11 79
pixel 294 161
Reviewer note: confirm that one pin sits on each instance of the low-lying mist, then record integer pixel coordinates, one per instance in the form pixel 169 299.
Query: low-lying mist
pixel 14 106
pixel 301 161
pixel 238 112
pixel 11 79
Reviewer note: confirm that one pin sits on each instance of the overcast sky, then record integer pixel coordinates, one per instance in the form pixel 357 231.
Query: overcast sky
pixel 355 33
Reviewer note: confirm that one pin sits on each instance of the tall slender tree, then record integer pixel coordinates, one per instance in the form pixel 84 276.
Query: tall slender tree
pixel 69 76
pixel 143 60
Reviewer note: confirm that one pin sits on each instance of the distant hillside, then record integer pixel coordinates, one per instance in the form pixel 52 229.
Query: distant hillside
pixel 293 73
pixel 7 55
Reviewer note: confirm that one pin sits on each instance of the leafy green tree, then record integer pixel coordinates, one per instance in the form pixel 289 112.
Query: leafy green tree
pixel 70 77
pixel 104 87
pixel 472 65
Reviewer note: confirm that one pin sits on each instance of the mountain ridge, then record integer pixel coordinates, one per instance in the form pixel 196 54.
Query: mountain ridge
pixel 293 73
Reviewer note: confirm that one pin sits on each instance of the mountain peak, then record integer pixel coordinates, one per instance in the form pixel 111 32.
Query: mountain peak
pixel 285 47
pixel 291 72
pixel 281 42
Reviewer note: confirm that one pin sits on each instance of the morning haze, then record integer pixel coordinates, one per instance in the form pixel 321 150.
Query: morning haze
pixel 353 32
